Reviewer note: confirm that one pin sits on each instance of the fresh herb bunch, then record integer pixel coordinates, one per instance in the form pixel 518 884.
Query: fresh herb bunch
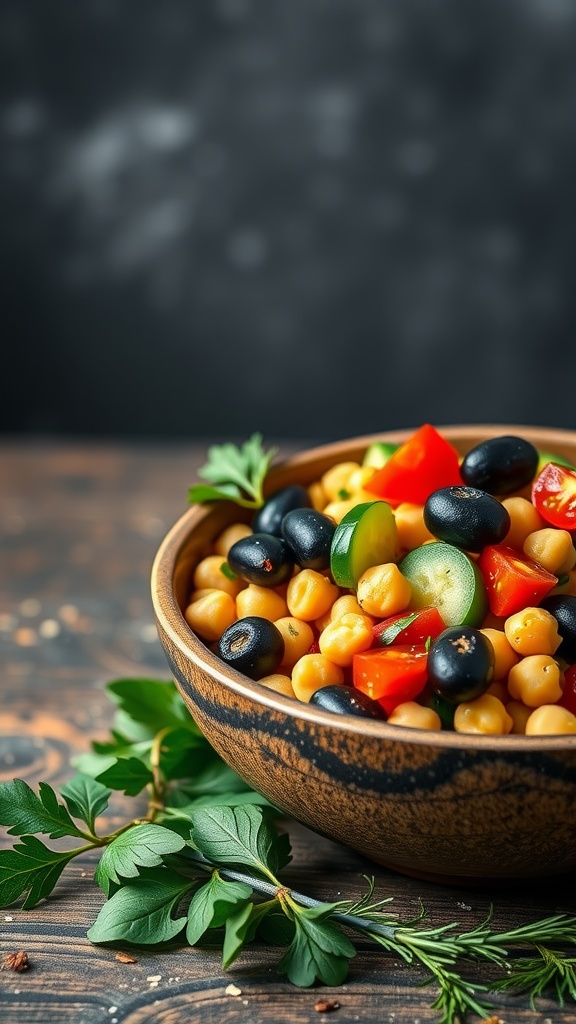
pixel 205 857
pixel 235 473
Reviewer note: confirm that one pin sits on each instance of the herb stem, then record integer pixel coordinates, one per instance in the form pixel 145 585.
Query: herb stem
pixel 271 889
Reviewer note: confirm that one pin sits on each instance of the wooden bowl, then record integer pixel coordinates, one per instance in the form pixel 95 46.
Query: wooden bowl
pixel 438 805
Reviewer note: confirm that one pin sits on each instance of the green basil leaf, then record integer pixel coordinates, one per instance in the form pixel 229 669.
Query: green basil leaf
pixel 27 813
pixel 128 774
pixel 30 867
pixel 140 846
pixel 142 911
pixel 212 904
pixel 86 798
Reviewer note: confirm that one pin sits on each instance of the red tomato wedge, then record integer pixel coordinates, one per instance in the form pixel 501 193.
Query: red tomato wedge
pixel 554 495
pixel 425 462
pixel 512 580
pixel 420 625
pixel 391 675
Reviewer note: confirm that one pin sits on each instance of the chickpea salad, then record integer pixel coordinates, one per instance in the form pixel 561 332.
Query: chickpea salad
pixel 416 586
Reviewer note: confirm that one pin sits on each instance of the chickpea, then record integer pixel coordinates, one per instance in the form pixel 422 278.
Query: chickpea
pixel 229 536
pixel 357 479
pixel 499 689
pixel 279 683
pixel 310 595
pixel 524 519
pixel 383 590
pixel 504 656
pixel 346 636
pixel 313 671
pixel 552 548
pixel 298 637
pixel 208 574
pixel 262 601
pixel 486 716
pixel 535 680
pixel 519 714
pixel 336 510
pixel 551 720
pixel 532 631
pixel 335 481
pixel 211 615
pixel 344 605
pixel 415 716
pixel 411 528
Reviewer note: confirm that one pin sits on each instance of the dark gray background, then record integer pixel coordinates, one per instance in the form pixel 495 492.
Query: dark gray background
pixel 314 218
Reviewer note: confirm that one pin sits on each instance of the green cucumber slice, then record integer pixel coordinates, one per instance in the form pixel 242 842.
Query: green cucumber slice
pixel 365 536
pixel 545 457
pixel 378 453
pixel 446 577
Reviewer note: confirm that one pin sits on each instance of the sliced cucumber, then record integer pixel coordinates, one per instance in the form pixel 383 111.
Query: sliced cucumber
pixel 545 457
pixel 446 577
pixel 366 536
pixel 378 453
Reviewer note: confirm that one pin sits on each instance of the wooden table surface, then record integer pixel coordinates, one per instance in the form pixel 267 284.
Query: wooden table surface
pixel 79 527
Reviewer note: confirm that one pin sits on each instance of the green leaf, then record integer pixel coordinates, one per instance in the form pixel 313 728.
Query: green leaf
pixel 104 753
pixel 241 926
pixel 319 950
pixel 199 494
pixel 215 778
pixel 30 867
pixel 86 798
pixel 276 928
pixel 183 753
pixel 235 473
pixel 128 774
pixel 387 636
pixel 239 835
pixel 27 813
pixel 212 904
pixel 142 911
pixel 140 846
pixel 153 702
pixel 250 796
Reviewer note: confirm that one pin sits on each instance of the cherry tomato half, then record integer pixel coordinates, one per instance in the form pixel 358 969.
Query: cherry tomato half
pixel 391 675
pixel 414 627
pixel 424 463
pixel 554 495
pixel 512 580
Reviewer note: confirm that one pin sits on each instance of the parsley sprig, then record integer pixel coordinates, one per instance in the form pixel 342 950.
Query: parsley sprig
pixel 205 859
pixel 234 473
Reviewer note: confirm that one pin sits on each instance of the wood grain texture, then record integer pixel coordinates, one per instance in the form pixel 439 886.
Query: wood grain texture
pixel 79 527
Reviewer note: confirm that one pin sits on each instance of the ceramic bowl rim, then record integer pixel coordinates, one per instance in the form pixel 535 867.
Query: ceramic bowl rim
pixel 171 619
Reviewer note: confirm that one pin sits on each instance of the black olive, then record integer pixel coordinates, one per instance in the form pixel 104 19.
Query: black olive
pixel 269 518
pixel 460 664
pixel 309 534
pixel 563 608
pixel 262 559
pixel 500 465
pixel 466 517
pixel 346 700
pixel 253 645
